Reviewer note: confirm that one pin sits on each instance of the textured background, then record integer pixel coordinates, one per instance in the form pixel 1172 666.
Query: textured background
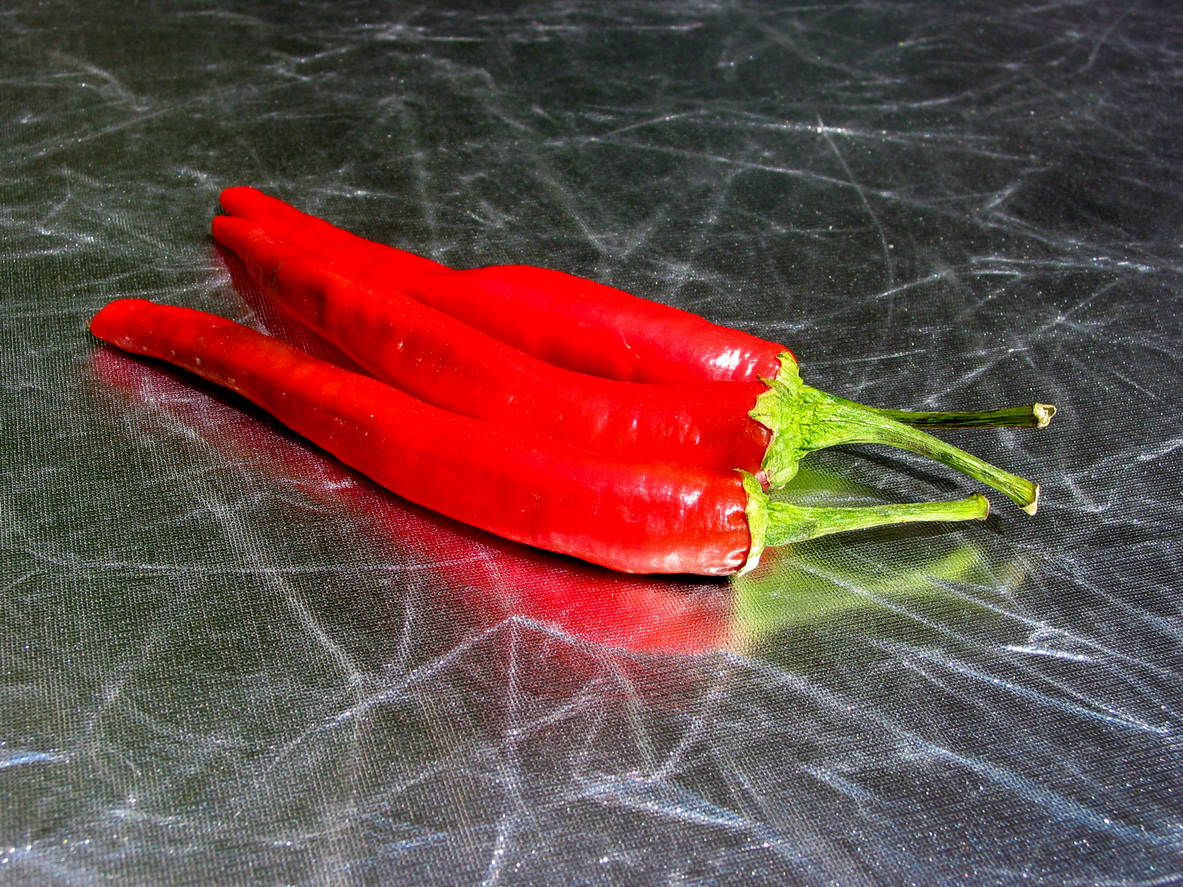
pixel 224 659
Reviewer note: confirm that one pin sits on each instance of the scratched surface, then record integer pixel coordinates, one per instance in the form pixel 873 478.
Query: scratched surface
pixel 225 659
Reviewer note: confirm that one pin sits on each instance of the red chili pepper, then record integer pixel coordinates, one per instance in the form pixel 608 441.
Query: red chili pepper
pixel 635 517
pixel 566 320
pixel 556 317
pixel 761 427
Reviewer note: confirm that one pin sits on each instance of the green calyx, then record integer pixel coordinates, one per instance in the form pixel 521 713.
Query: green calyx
pixel 803 419
pixel 773 523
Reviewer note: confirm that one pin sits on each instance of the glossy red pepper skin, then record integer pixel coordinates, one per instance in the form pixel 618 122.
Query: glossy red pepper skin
pixel 556 317
pixel 633 517
pixel 444 361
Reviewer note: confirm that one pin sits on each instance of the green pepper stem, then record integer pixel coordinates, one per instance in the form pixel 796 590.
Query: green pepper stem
pixel 1035 415
pixel 803 419
pixel 773 523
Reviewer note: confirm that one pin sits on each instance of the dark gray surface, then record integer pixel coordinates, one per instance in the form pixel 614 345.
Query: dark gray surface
pixel 225 660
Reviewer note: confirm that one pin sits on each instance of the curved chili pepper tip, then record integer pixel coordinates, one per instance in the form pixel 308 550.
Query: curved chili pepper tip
pixel 803 419
pixel 773 523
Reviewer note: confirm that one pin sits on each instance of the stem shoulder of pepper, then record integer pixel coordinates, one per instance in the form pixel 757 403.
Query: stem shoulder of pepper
pixel 756 509
pixel 803 419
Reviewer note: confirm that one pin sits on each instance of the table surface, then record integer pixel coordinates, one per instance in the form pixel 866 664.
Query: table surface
pixel 226 659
